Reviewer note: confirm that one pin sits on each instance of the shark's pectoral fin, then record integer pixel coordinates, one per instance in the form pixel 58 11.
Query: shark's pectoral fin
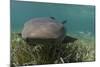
pixel 69 39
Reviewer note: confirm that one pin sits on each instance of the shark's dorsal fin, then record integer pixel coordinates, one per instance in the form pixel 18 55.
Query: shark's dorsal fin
pixel 52 18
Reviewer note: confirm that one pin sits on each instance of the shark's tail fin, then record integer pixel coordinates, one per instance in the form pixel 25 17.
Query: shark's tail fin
pixel 65 21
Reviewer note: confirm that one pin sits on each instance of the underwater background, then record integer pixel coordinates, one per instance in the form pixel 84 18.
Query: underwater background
pixel 80 18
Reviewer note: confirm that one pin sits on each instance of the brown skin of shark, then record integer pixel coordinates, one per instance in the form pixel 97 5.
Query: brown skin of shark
pixel 45 29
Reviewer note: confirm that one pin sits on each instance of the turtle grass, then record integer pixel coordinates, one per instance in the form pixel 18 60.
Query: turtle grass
pixel 50 53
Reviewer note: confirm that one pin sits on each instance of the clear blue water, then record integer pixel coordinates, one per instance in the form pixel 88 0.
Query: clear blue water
pixel 80 18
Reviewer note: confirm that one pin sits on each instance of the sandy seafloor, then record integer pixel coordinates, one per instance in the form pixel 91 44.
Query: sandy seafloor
pixel 82 50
